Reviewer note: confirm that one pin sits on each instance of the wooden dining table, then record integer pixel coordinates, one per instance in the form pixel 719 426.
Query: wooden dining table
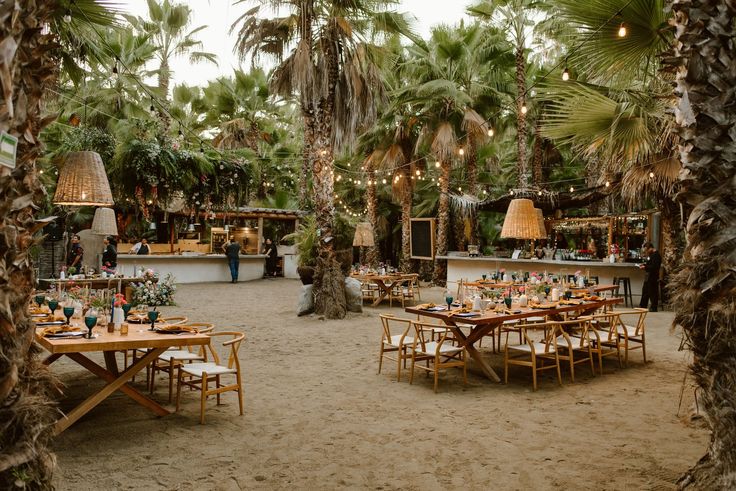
pixel 385 283
pixel 138 337
pixel 484 324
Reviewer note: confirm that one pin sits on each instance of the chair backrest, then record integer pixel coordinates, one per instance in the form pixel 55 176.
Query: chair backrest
pixel 398 324
pixel 232 342
pixel 608 322
pixel 580 326
pixel 201 328
pixel 551 328
pixel 425 331
pixel 640 321
pixel 174 321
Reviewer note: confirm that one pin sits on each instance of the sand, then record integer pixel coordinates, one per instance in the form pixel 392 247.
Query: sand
pixel 318 416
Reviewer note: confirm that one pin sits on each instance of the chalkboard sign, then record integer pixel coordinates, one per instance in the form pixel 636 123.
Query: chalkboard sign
pixel 422 238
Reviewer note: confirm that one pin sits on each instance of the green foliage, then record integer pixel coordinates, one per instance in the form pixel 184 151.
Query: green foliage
pixel 305 239
pixel 89 138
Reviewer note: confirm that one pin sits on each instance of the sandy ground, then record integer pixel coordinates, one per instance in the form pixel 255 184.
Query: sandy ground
pixel 318 416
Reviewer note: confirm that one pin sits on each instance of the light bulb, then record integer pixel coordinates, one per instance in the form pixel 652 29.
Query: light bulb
pixel 339 178
pixel 511 192
pixel 67 16
pixel 437 164
pixel 323 152
pixel 461 151
pixel 460 190
pixel 622 30
pixel 608 184
pixel 651 174
pixel 523 109
pixel 533 93
pixel 384 181
pixel 419 173
pixel 539 193
pixel 565 75
pixel 357 182
pixel 572 189
pixel 490 131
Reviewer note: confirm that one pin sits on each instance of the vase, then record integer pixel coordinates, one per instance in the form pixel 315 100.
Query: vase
pixel 117 317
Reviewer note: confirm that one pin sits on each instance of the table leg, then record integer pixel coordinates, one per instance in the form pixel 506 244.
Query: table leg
pixel 111 363
pixel 51 358
pixel 114 383
pixel 469 342
pixel 383 292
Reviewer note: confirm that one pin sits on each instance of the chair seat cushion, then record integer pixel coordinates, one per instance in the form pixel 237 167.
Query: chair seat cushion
pixel 197 369
pixel 512 321
pixel 535 319
pixel 431 349
pixel 539 348
pixel 575 340
pixel 182 355
pixel 629 330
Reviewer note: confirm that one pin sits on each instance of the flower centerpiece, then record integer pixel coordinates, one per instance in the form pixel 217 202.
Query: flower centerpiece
pixel 149 292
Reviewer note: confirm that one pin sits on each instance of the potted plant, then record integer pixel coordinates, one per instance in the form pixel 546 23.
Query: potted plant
pixel 305 240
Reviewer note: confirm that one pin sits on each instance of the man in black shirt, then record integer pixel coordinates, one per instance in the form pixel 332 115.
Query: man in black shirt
pixel 76 254
pixel 650 291
pixel 232 251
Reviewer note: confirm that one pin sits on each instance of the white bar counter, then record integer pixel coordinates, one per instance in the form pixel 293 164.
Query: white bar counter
pixel 471 268
pixel 202 268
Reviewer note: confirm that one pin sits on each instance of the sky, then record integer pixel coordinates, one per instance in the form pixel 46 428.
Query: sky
pixel 219 15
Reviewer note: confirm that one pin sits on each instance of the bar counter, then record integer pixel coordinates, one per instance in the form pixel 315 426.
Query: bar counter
pixel 471 268
pixel 194 268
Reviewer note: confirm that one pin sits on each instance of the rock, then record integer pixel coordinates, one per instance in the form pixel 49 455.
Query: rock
pixel 306 301
pixel 353 295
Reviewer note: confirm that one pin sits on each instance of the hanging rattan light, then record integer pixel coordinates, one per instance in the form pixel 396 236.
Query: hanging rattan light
pixel 540 221
pixel 104 222
pixel 521 221
pixel 363 235
pixel 82 181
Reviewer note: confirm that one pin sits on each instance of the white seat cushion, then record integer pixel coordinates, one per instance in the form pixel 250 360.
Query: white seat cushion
pixel 182 355
pixel 513 321
pixel 396 339
pixel 630 331
pixel 197 369
pixel 431 349
pixel 575 340
pixel 538 348
pixel 534 319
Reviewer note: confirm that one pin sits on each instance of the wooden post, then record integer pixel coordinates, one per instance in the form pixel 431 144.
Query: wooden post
pixel 260 234
pixel 172 231
pixel 610 236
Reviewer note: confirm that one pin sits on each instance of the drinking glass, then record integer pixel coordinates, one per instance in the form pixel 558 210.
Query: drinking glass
pixel 68 313
pixel 449 299
pixel 90 321
pixel 484 276
pixel 126 309
pixel 568 295
pixel 152 316
pixel 39 300
pixel 53 305
pixel 507 301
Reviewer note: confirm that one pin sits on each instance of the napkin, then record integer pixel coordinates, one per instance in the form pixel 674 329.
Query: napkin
pixel 463 310
pixel 57 330
pixel 425 306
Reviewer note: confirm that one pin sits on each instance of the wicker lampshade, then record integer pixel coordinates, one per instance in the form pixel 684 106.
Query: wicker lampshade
pixel 521 221
pixel 104 222
pixel 540 220
pixel 364 235
pixel 82 181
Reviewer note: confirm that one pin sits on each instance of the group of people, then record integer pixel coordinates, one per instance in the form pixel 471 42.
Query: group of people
pixel 234 248
pixel 75 255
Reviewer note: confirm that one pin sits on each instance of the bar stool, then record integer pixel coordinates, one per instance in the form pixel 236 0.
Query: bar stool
pixel 628 297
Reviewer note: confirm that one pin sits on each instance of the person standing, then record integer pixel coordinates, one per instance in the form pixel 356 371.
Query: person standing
pixel 271 258
pixel 232 251
pixel 144 249
pixel 650 291
pixel 76 254
pixel 109 255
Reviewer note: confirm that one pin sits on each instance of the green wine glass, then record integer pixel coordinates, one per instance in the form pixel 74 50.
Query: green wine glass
pixel 449 299
pixel 507 301
pixel 53 305
pixel 152 316
pixel 126 309
pixel 90 321
pixel 68 313
pixel 39 300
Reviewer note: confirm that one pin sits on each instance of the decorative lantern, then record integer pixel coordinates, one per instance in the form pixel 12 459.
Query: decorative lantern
pixel 521 221
pixel 83 181
pixel 104 222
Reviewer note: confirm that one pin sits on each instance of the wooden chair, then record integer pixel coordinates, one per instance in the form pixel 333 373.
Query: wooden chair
pixel 633 334
pixel 604 337
pixel 409 288
pixel 574 345
pixel 400 291
pixel 172 358
pixel 534 354
pixel 437 354
pixel 395 339
pixel 200 375
pixel 173 321
pixel 368 291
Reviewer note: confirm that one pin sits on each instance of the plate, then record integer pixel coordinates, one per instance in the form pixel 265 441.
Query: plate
pixel 61 335
pixel 467 314
pixel 435 309
pixel 50 323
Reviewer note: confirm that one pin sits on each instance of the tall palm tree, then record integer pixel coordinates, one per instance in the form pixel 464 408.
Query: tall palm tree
pixel 327 58
pixel 168 28
pixel 706 284
pixel 26 387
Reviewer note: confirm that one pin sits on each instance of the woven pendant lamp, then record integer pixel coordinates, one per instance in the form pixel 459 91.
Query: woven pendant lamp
pixel 540 221
pixel 363 235
pixel 82 181
pixel 104 222
pixel 521 221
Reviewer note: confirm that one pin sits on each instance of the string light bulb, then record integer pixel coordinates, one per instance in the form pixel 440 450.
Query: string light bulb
pixel 524 109
pixel 572 189
pixel 651 174
pixel 419 173
pixel 461 151
pixel 437 164
pixel 383 181
pixel 608 184
pixel 565 75
pixel 67 16
pixel 490 131
pixel 622 30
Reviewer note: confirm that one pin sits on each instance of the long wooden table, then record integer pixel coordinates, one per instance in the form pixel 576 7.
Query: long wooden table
pixel 486 323
pixel 109 343
pixel 385 284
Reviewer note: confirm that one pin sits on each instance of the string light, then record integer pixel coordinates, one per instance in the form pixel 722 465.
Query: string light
pixel 383 180
pixel 339 177
pixel 608 184
pixel 572 189
pixel 622 30
pixel 490 131
pixel 461 151
pixel 511 192
pixel 419 173
pixel 651 174
pixel 565 75
pixel 437 164
pixel 67 16
pixel 523 109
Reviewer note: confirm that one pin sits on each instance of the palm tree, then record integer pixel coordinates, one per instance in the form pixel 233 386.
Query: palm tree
pixel 706 284
pixel 167 27
pixel 327 57
pixel 26 386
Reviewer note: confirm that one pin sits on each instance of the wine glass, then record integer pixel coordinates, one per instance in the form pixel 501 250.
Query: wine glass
pixel 126 309
pixel 568 294
pixel 53 305
pixel 484 276
pixel 39 300
pixel 152 316
pixel 448 299
pixel 90 321
pixel 507 301
pixel 68 313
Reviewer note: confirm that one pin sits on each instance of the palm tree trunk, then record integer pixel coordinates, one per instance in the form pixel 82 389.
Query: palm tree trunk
pixel 472 169
pixel 308 119
pixel 705 285
pixel 26 386
pixel 406 202
pixel 371 254
pixel 537 171
pixel 443 225
pixel 521 117
pixel 329 281
pixel 164 81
